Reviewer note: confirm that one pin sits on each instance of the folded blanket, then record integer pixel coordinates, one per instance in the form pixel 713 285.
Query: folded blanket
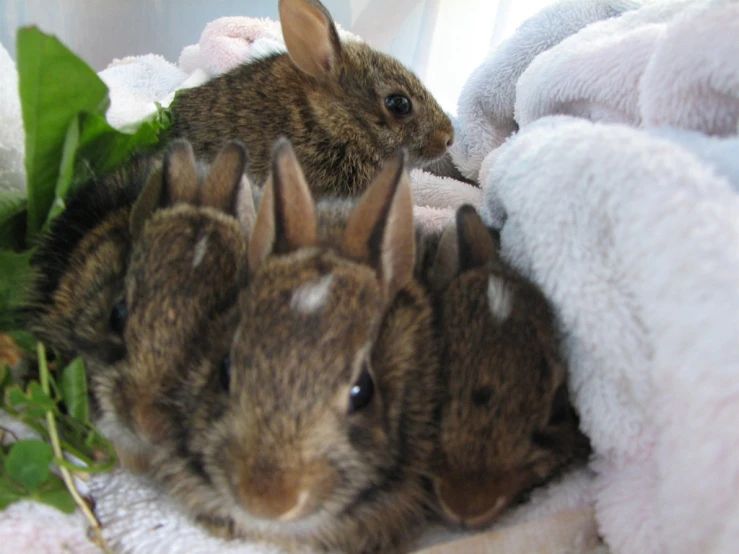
pixel 486 103
pixel 692 79
pixel 669 62
pixel 635 241
pixel 718 152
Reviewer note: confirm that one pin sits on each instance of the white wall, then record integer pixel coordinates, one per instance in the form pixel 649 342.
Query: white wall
pixel 442 40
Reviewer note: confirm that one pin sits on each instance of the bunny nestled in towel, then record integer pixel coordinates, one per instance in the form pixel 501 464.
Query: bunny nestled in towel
pixel 634 240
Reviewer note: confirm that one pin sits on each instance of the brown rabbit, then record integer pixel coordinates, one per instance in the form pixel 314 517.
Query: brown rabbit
pixel 181 285
pixel 324 432
pixel 176 274
pixel 80 263
pixel 344 106
pixel 506 423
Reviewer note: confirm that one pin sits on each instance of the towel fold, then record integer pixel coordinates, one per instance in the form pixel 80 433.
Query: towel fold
pixel 692 79
pixel 673 62
pixel 635 241
pixel 486 103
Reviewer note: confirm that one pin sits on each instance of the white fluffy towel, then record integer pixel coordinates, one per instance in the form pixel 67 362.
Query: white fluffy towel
pixel 486 103
pixel 670 62
pixel 635 240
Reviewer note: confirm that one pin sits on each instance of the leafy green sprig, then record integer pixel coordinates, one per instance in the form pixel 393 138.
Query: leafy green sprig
pixel 67 142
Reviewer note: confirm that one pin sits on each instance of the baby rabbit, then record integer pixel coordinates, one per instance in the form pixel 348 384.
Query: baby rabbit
pixel 188 251
pixel 80 263
pixel 129 296
pixel 322 432
pixel 344 106
pixel 506 423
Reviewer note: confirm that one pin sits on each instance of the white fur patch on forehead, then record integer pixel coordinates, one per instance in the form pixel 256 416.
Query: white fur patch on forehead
pixel 311 297
pixel 199 251
pixel 500 298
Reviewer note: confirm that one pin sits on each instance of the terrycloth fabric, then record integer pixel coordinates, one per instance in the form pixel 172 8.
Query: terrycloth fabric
pixel 692 79
pixel 231 41
pixel 486 103
pixel 135 84
pixel 437 198
pixel 31 528
pixel 635 240
pixel 12 137
pixel 228 42
pixel 670 62
pixel 721 153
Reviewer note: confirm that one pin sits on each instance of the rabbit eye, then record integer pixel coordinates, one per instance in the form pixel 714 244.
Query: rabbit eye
pixel 398 104
pixel 118 317
pixel 362 392
pixel 225 373
pixel 560 407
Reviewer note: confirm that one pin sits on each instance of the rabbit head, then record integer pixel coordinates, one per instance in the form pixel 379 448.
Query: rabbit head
pixel 506 423
pixel 182 281
pixel 328 417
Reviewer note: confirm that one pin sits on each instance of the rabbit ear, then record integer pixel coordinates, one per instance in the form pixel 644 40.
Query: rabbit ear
pixel 246 211
pixel 150 198
pixel 181 181
pixel 222 185
pixel 310 36
pixel 380 230
pixel 475 244
pixel 286 220
pixel 446 262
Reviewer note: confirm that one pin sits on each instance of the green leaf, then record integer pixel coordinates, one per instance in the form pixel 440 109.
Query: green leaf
pixel 55 85
pixel 12 219
pixel 39 398
pixel 4 376
pixel 74 390
pixel 28 462
pixel 16 397
pixel 16 272
pixel 36 403
pixel 58 497
pixel 8 494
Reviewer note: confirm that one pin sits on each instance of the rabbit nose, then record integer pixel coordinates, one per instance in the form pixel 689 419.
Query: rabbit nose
pixel 445 139
pixel 149 421
pixel 468 504
pixel 286 495
pixel 276 497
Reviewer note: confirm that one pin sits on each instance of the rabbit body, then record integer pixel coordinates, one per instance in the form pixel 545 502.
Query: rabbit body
pixel 506 423
pixel 137 295
pixel 342 105
pixel 321 435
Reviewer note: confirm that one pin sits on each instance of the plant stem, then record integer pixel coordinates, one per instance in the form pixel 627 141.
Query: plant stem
pixel 56 447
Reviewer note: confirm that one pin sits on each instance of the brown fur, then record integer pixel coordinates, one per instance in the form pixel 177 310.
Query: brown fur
pixel 506 424
pixel 80 263
pixel 284 428
pixel 174 257
pixel 326 97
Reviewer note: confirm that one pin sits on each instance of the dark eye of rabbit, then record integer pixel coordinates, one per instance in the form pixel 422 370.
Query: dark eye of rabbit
pixel 362 392
pixel 118 317
pixel 560 406
pixel 225 373
pixel 398 104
